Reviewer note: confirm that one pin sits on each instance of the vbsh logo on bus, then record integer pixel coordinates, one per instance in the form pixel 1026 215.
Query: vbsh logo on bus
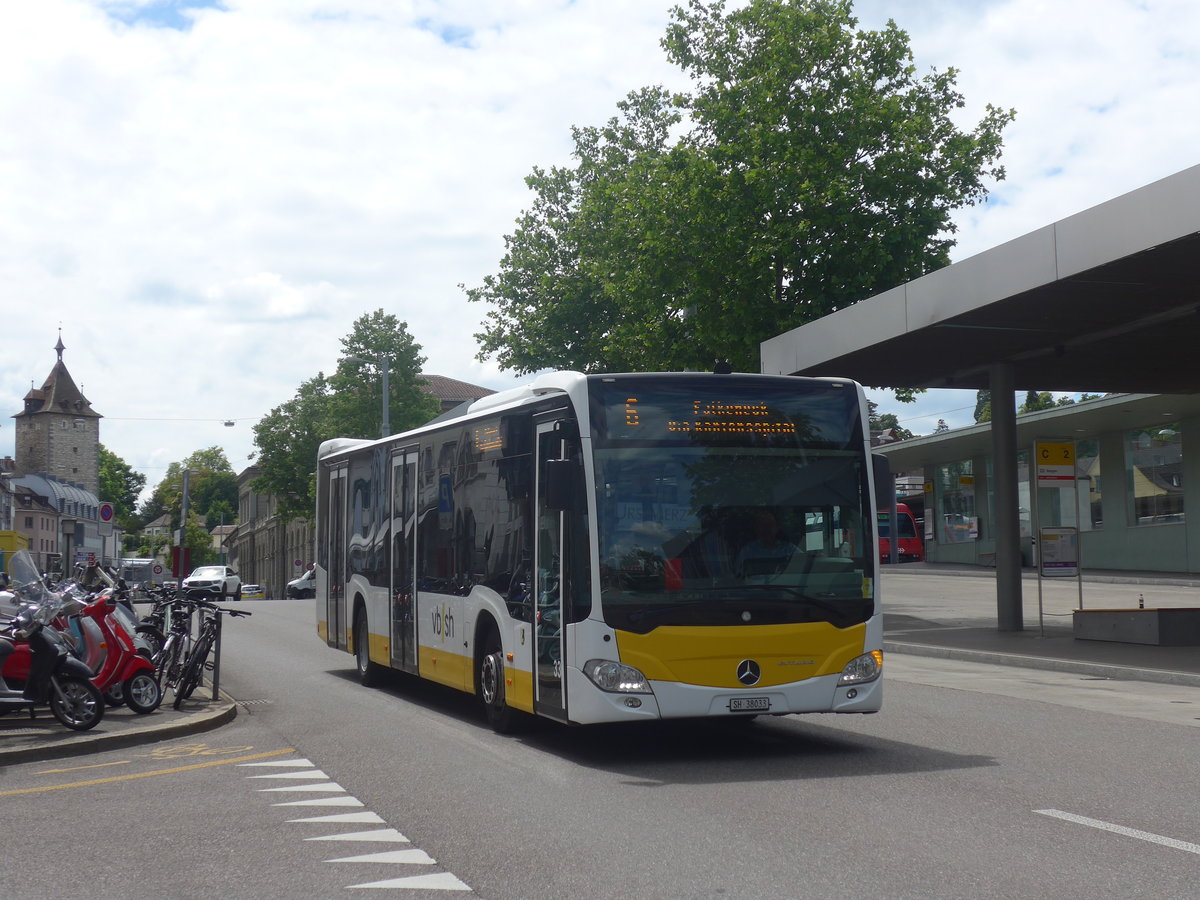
pixel 443 622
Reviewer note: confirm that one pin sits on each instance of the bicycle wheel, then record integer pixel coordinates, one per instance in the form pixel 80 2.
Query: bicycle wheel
pixel 193 669
pixel 170 661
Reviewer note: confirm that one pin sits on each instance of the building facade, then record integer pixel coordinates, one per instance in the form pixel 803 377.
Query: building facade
pixel 1123 471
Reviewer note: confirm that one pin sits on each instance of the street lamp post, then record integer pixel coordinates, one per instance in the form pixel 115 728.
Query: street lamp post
pixel 384 364
pixel 183 517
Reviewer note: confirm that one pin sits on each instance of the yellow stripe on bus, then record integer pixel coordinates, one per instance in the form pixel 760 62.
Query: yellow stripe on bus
pixel 518 687
pixel 451 669
pixel 709 656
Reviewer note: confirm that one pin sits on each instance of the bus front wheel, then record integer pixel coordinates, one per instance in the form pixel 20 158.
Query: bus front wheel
pixel 489 678
pixel 368 672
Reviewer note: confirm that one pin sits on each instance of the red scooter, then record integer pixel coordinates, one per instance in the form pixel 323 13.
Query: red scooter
pixel 108 650
pixel 36 665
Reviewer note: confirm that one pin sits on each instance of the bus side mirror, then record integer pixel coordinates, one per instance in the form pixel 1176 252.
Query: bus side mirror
pixel 560 488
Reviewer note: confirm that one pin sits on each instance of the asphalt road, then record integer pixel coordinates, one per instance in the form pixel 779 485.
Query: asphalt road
pixel 976 781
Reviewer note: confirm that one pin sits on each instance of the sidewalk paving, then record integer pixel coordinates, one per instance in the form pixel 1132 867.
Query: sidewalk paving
pixel 929 609
pixel 26 740
pixel 948 611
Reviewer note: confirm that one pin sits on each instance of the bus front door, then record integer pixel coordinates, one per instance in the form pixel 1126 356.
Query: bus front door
pixel 403 584
pixel 335 577
pixel 549 696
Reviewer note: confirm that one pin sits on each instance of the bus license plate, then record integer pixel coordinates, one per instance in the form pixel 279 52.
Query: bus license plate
pixel 750 704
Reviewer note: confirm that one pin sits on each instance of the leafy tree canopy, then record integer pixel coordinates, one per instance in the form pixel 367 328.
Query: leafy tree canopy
pixel 1035 400
pixel 120 486
pixel 212 488
pixel 348 403
pixel 809 168
pixel 885 421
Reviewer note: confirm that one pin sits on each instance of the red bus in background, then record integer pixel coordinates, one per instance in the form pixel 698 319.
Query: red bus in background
pixel 908 548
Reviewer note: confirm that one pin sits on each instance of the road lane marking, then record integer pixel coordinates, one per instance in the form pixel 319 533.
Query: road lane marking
pixel 412 857
pixel 1121 829
pixel 331 787
pixel 409 856
pixel 123 762
pixel 360 818
pixel 388 835
pixel 184 750
pixel 443 881
pixel 117 778
pixel 323 801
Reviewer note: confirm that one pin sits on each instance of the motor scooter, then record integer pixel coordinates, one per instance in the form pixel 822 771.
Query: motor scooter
pixel 118 669
pixel 37 668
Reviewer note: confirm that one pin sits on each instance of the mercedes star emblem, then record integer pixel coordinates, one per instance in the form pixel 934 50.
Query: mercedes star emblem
pixel 748 672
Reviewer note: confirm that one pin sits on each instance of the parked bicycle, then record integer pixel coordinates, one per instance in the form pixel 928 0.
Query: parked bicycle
pixel 207 638
pixel 174 646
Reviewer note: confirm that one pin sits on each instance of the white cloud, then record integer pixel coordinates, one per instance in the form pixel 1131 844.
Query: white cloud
pixel 206 210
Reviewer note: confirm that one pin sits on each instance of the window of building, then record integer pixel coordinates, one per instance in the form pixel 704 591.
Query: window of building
pixel 956 499
pixel 29 521
pixel 1087 482
pixel 1154 470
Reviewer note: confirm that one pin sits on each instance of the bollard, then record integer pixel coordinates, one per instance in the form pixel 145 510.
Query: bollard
pixel 1141 601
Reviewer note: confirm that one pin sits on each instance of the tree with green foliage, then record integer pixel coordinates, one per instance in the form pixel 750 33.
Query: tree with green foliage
pixel 348 403
pixel 1037 400
pixel 885 421
pixel 983 406
pixel 120 485
pixel 212 486
pixel 810 168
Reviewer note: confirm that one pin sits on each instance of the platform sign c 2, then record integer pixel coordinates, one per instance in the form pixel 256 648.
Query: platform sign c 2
pixel 1058 552
pixel 1055 461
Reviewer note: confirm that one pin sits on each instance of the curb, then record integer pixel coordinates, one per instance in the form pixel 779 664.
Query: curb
pixel 67 743
pixel 1173 579
pixel 1050 663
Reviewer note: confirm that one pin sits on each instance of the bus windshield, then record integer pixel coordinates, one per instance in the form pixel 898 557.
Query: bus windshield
pixel 754 514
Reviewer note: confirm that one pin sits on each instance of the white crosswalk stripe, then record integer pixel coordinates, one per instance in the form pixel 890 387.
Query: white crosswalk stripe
pixel 363 818
pixel 412 857
pixel 442 881
pixel 324 801
pixel 302 770
pixel 390 835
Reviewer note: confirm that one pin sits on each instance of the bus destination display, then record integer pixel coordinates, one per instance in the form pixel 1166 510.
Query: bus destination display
pixel 702 417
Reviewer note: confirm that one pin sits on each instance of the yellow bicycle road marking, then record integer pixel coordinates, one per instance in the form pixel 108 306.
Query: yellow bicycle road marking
pixel 123 762
pixel 116 778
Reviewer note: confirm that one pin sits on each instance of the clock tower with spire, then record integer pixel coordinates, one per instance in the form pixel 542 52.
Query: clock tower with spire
pixel 58 432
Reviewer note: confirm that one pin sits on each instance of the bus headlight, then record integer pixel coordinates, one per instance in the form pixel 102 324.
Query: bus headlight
pixel 863 669
pixel 615 677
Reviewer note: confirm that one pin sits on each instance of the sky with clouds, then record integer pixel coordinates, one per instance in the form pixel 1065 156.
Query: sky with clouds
pixel 204 196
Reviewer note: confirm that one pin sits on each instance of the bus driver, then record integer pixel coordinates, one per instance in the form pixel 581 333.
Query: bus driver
pixel 768 553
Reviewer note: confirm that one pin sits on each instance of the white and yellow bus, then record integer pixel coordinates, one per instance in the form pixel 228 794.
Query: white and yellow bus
pixel 613 548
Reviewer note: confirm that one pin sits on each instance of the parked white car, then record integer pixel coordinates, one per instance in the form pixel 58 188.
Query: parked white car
pixel 217 582
pixel 304 586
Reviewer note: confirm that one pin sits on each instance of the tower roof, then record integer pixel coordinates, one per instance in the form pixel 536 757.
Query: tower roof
pixel 59 394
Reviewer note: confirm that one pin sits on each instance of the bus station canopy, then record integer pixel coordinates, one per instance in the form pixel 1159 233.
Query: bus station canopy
pixel 1107 300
